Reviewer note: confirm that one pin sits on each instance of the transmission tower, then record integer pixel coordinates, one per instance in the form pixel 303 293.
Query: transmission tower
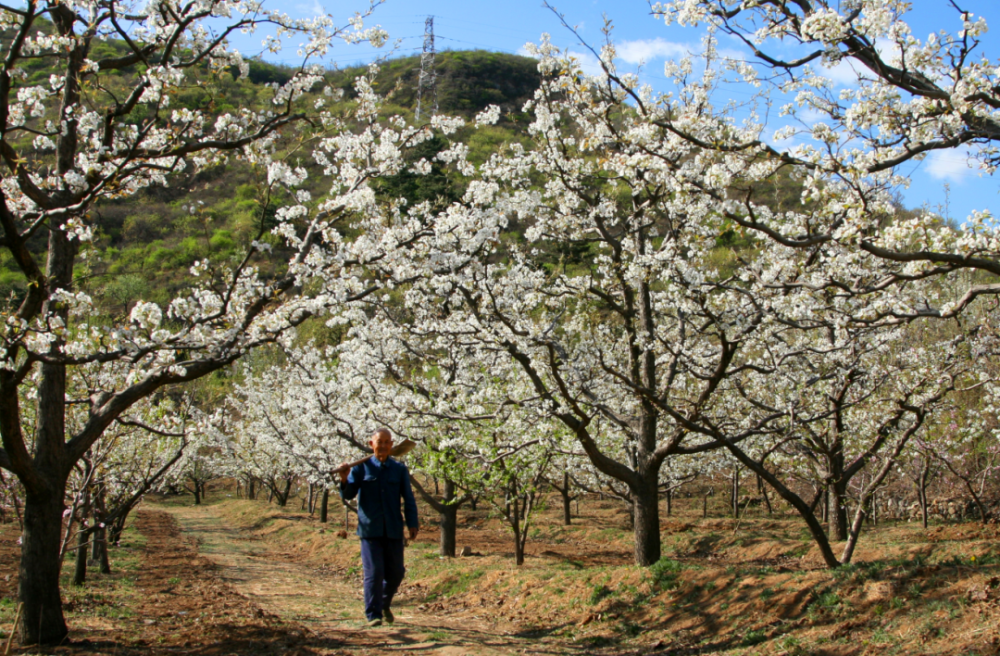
pixel 427 82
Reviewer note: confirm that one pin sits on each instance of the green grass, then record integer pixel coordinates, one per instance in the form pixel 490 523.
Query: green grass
pixel 455 584
pixel 753 637
pixel 599 593
pixel 664 573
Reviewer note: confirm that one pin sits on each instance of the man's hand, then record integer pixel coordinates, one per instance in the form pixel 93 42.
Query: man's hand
pixel 413 532
pixel 344 470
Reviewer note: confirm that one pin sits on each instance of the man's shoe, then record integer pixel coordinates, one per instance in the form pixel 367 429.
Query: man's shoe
pixel 389 617
pixel 375 622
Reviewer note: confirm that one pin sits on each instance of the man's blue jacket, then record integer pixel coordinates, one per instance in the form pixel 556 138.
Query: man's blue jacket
pixel 379 486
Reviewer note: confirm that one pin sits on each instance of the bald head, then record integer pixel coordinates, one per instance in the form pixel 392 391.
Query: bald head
pixel 381 442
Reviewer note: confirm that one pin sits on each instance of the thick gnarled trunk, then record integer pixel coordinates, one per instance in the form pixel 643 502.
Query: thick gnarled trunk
pixel 646 520
pixel 837 500
pixel 42 618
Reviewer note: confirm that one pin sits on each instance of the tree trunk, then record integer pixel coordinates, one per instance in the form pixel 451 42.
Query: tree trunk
pixel 99 548
pixel 922 493
pixel 324 505
pixel 115 534
pixel 704 507
pixel 449 521
pixel 762 489
pixel 804 510
pixel 837 511
pixel 922 479
pixel 670 498
pixel 283 496
pixel 736 492
pixel 100 551
pixel 837 514
pixel 80 569
pixel 42 618
pixel 515 524
pixel 197 494
pixel 566 500
pixel 646 521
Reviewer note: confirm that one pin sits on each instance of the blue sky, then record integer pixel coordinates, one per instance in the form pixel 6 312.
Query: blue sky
pixel 506 25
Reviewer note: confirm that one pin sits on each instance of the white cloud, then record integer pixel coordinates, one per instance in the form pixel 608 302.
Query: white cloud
pixel 844 73
pixel 314 8
pixel 954 165
pixel 645 50
pixel 589 64
pixel 811 115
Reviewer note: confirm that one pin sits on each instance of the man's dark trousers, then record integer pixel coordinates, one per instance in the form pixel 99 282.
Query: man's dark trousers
pixel 383 564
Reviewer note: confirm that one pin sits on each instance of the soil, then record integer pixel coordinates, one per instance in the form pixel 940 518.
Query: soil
pixel 327 601
pixel 181 605
pixel 240 577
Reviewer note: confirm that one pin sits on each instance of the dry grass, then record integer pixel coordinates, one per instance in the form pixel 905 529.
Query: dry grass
pixel 718 590
pixel 761 589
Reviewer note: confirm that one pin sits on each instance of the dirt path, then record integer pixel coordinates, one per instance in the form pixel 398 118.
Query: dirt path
pixel 329 603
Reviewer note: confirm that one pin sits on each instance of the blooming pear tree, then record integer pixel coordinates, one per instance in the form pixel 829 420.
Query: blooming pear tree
pixel 902 96
pixel 852 402
pixel 479 424
pixel 296 421
pixel 641 331
pixel 104 147
pixel 134 456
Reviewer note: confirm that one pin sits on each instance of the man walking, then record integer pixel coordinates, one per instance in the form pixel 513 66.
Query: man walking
pixel 379 483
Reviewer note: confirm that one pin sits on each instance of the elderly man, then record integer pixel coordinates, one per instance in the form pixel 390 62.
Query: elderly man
pixel 379 483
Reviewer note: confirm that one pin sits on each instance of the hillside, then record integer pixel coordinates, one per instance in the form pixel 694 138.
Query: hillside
pixel 467 80
pixel 143 240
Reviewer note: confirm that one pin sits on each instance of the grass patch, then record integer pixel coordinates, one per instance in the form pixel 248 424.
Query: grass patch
pixel 454 585
pixel 599 593
pixel 753 637
pixel 664 573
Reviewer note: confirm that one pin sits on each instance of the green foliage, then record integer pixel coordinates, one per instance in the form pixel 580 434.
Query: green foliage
pixel 753 637
pixel 599 593
pixel 222 241
pixel 435 187
pixel 664 573
pixel 126 289
pixel 467 80
pixel 828 601
pixel 455 584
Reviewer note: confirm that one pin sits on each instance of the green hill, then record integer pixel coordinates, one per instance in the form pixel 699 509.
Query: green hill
pixel 467 80
pixel 143 243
